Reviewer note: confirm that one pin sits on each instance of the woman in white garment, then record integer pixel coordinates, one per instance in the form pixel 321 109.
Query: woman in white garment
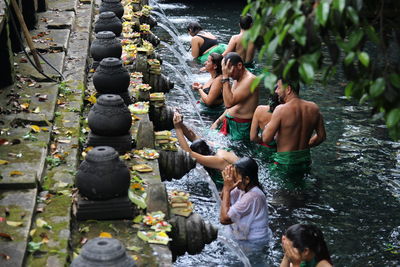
pixel 244 206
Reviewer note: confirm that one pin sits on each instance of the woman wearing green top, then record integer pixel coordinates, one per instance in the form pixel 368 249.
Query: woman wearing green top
pixel 214 162
pixel 304 246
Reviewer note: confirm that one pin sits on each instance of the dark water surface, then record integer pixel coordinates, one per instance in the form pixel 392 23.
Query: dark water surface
pixel 355 174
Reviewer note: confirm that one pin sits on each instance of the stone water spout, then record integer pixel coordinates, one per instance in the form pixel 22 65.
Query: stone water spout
pixel 110 122
pixel 175 164
pixel 190 234
pixel 101 252
pixel 162 117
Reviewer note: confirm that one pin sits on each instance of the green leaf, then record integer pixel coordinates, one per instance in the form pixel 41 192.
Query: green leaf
pixel 306 71
pixel 256 82
pixel 283 33
pixel 270 81
pixel 348 91
pixel 288 66
pixel 272 47
pixel 138 219
pixel 323 12
pixel 339 5
pixel 139 201
pixel 371 33
pixel 355 38
pixel 377 87
pixel 352 13
pixel 34 246
pixel 395 79
pixel 281 9
pixel 364 58
pixel 349 58
pixel 364 98
pixel 393 117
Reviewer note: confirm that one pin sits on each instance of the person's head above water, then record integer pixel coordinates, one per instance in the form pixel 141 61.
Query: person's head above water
pixel 245 22
pixel 200 146
pixel 234 58
pixel 194 28
pixel 309 241
pixel 287 88
pixel 248 169
pixel 217 59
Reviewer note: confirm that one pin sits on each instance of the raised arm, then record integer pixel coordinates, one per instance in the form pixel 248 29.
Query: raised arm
pixel 230 183
pixel 320 135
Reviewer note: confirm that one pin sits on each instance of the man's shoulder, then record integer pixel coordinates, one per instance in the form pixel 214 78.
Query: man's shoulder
pixel 309 104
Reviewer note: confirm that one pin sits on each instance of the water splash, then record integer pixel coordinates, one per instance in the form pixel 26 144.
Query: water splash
pixel 206 177
pixel 182 49
pixel 233 246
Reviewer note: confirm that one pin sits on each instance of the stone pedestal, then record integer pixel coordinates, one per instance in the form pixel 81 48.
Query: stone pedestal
pixel 111 209
pixel 120 143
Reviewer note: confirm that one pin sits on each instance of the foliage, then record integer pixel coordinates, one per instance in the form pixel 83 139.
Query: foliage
pixel 359 37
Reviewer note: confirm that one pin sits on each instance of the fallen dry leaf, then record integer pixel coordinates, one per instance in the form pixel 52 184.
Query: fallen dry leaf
pixel 32 232
pixel 15 224
pixel 3 162
pixel 35 128
pixel 5 256
pixel 64 141
pixel 6 236
pixel 36 110
pixel 105 235
pixel 15 173
pixel 24 105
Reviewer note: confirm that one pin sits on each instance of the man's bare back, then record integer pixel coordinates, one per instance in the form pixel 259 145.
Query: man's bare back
pixel 236 45
pixel 294 123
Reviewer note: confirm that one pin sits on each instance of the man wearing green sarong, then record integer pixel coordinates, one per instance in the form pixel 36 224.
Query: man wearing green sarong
pixel 239 100
pixel 297 125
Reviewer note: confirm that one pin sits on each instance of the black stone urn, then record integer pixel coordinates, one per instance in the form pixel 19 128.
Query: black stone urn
pixel 162 117
pixel 105 45
pixel 158 82
pixel 175 164
pixel 190 234
pixel 110 116
pixel 111 77
pixel 108 22
pixel 102 175
pixel 102 252
pixel 112 5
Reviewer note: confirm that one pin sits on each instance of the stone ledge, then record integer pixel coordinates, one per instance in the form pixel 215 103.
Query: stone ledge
pixel 20 204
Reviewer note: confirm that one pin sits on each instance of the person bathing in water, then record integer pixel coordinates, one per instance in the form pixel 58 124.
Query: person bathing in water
pixel 261 117
pixel 293 124
pixel 211 92
pixel 213 161
pixel 236 43
pixel 304 246
pixel 239 101
pixel 203 43
pixel 244 206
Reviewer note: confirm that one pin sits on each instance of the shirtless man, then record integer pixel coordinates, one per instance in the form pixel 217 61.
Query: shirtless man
pixel 236 42
pixel 293 125
pixel 239 101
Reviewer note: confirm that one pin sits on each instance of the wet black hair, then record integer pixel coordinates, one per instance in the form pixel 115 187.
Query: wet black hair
pixel 194 27
pixel 273 102
pixel 217 59
pixel 200 146
pixel 246 22
pixel 248 167
pixel 309 236
pixel 234 57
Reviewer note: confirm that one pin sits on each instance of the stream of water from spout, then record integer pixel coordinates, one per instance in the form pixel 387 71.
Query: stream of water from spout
pixel 183 52
pixel 235 248
pixel 165 19
pixel 179 57
pixel 188 92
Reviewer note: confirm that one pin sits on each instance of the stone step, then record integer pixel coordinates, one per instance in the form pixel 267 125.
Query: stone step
pixel 55 59
pixel 25 159
pixel 56 19
pixel 20 205
pixel 62 5
pixel 46 40
pixel 41 98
